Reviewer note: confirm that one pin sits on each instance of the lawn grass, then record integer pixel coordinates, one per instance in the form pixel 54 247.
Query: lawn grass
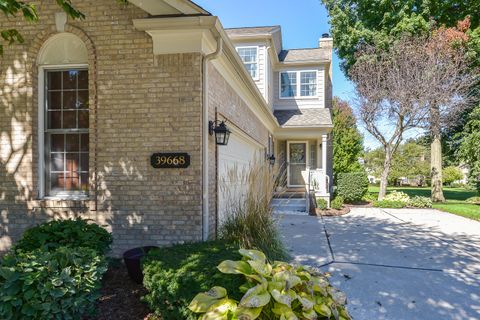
pixel 455 199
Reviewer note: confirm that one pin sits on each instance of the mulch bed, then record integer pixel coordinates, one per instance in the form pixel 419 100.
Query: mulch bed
pixel 120 298
pixel 332 212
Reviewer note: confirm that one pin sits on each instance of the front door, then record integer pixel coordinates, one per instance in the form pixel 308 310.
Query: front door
pixel 297 162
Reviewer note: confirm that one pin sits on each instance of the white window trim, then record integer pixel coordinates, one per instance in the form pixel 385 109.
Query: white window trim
pixel 299 85
pixel 256 61
pixel 41 133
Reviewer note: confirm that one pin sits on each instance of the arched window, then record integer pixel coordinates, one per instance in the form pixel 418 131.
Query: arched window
pixel 63 117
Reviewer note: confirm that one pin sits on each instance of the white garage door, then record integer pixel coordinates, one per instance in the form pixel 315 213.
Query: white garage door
pixel 234 160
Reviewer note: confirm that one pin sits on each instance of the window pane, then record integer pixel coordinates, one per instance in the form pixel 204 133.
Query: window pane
pixel 84 181
pixel 82 102
pixel 54 120
pixel 84 142
pixel 308 82
pixel 56 162
pixel 57 181
pixel 54 80
pixel 249 58
pixel 54 100
pixel 72 181
pixel 70 79
pixel 84 162
pixel 252 69
pixel 73 143
pixel 57 143
pixel 83 119
pixel 288 84
pixel 83 79
pixel 72 162
pixel 69 119
pixel 69 99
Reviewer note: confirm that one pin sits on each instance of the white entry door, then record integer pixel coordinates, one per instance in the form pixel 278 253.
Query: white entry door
pixel 297 162
pixel 236 157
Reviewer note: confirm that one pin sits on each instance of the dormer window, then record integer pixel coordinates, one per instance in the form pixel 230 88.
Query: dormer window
pixel 249 56
pixel 294 84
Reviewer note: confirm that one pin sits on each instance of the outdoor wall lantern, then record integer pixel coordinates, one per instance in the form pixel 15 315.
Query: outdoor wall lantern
pixel 222 133
pixel 271 159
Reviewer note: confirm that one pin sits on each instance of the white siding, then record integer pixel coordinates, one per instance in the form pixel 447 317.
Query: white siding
pixel 299 103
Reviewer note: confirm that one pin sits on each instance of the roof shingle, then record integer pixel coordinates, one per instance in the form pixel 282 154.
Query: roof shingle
pixel 304 55
pixel 251 31
pixel 318 117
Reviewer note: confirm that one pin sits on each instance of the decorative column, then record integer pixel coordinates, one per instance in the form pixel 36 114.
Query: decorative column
pixel 324 152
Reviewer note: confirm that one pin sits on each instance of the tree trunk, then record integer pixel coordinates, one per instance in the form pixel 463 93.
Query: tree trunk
pixel 384 178
pixel 436 156
pixel 436 169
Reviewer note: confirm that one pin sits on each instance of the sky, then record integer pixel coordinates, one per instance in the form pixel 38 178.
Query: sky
pixel 303 22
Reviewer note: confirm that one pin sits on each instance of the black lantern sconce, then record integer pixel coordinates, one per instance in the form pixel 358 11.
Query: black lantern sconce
pixel 222 133
pixel 271 159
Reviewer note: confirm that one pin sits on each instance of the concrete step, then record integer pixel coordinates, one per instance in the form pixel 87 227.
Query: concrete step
pixel 291 204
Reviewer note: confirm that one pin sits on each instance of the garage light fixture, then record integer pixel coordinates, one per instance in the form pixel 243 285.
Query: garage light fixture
pixel 222 133
pixel 271 159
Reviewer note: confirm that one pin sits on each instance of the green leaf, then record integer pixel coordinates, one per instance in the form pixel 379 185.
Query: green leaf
pixel 220 310
pixel 259 266
pixel 253 254
pixel 235 267
pixel 323 310
pixel 203 301
pixel 256 297
pixel 285 298
pixel 243 313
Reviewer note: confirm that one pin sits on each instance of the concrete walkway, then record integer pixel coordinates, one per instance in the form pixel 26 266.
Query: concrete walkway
pixel 394 263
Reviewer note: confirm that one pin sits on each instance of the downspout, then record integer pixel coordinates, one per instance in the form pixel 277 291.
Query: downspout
pixel 205 134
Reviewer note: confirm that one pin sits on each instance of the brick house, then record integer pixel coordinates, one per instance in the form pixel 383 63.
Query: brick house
pixel 85 104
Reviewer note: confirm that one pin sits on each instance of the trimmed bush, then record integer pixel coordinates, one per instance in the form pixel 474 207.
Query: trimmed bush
pixel 337 203
pixel 322 204
pixel 397 196
pixel 420 202
pixel 352 186
pixel 474 200
pixel 65 233
pixel 174 275
pixel 389 204
pixel 58 284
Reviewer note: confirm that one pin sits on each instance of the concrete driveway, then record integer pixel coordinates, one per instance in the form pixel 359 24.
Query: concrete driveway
pixel 394 263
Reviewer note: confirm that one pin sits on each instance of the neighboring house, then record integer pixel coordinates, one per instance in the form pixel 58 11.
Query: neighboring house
pixel 90 107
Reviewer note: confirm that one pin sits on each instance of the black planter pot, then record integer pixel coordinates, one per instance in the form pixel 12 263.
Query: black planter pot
pixel 132 260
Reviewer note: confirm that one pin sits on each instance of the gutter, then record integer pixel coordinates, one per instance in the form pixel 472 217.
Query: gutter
pixel 205 134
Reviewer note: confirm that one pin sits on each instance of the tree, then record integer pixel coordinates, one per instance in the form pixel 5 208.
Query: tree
pixel 359 22
pixel 388 104
pixel 347 140
pixel 469 151
pixel 11 8
pixel 451 174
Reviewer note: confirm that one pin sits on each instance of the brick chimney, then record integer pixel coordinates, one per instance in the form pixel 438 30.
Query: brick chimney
pixel 326 42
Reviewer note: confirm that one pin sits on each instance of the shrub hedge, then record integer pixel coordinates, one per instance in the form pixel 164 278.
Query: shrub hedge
pixel 337 203
pixel 322 204
pixel 420 202
pixel 352 186
pixel 65 233
pixel 174 275
pixel 389 204
pixel 59 284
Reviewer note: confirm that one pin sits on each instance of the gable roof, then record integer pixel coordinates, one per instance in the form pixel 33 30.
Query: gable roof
pixel 170 7
pixel 304 55
pixel 304 118
pixel 252 31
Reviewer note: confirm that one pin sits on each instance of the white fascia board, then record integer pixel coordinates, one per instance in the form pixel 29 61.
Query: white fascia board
pixel 291 133
pixel 168 7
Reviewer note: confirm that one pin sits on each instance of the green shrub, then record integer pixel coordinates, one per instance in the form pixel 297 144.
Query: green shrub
pixel 322 204
pixel 370 197
pixel 397 196
pixel 420 202
pixel 451 174
pixel 337 203
pixel 65 233
pixel 474 200
pixel 278 291
pixel 352 186
pixel 389 204
pixel 59 284
pixel 174 275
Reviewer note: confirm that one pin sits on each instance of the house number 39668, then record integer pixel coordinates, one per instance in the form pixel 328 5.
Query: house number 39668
pixel 170 160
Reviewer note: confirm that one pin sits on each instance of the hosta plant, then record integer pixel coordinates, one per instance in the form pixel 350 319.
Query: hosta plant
pixel 272 291
pixel 397 196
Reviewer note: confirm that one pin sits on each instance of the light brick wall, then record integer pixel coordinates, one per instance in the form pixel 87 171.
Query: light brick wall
pixel 225 102
pixel 144 104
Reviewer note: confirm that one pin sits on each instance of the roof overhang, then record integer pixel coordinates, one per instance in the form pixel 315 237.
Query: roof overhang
pixel 169 7
pixel 290 133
